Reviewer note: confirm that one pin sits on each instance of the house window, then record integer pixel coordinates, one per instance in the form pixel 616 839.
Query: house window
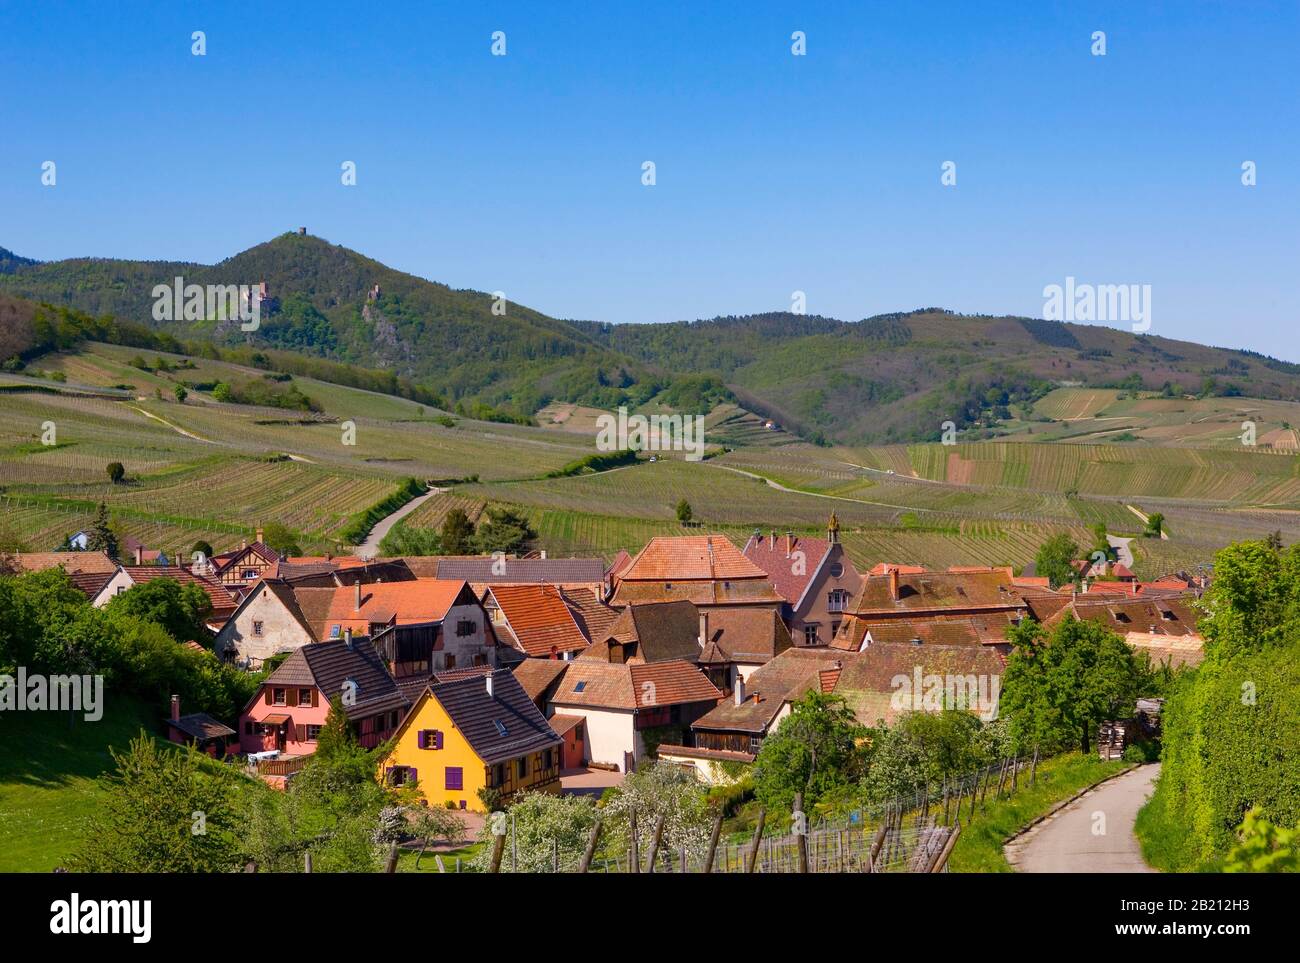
pixel 250 573
pixel 499 774
pixel 837 569
pixel 278 697
pixel 835 629
pixel 580 686
pixel 521 766
pixel 399 775
pixel 547 759
pixel 334 631
pixel 465 627
pixel 453 778
pixel 810 635
pixel 304 697
pixel 449 660
pixel 250 727
pixel 257 628
pixel 313 733
pixel 835 600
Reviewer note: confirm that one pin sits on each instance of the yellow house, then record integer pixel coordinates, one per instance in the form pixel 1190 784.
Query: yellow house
pixel 470 733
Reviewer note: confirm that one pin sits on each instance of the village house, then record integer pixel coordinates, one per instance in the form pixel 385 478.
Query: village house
pixel 1164 627
pixel 627 709
pixel 224 602
pixel 245 565
pixel 484 570
pixel 813 575
pixel 97 563
pixel 475 736
pixel 201 731
pixel 279 616
pixel 289 709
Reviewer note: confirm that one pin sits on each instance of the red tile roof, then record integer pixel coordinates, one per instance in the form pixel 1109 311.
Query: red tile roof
pixel 539 618
pixel 690 558
pixel 421 600
pixel 221 597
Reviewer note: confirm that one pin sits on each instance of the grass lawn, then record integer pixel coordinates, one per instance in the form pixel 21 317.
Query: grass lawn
pixel 406 859
pixel 48 773
pixel 979 848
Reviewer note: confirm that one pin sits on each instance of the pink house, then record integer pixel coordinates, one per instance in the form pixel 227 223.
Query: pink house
pixel 289 709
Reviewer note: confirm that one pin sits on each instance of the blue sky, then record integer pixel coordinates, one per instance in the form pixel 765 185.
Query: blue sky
pixel 775 173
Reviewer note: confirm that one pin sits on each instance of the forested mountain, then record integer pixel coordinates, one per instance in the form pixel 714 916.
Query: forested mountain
pixel 887 378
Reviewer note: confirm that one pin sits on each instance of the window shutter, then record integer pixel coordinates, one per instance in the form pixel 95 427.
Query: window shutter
pixel 291 697
pixel 412 774
pixel 315 697
pixel 420 738
pixel 268 695
pixel 437 739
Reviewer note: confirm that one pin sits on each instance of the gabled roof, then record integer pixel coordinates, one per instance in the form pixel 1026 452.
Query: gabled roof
pixel 786 678
pixel 221 597
pixel 90 583
pixel 690 558
pixel 744 634
pixel 1160 616
pixel 991 629
pixel 328 665
pixel 710 593
pixel 593 616
pixel 72 562
pixel 418 600
pixel 884 568
pixel 537 676
pixel 227 560
pixel 539 618
pixel 498 726
pixel 201 726
pixel 776 555
pixel 654 632
pixel 601 685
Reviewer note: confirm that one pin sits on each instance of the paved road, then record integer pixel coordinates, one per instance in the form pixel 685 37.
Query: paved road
pixel 370 547
pixel 1068 841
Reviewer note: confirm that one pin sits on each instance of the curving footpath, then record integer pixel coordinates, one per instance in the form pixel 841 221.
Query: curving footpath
pixel 1068 841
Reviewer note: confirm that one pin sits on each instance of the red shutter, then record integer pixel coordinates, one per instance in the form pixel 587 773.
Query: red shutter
pixel 315 698
pixel 267 695
pixel 291 697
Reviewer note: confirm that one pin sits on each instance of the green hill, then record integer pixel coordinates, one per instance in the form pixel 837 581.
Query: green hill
pixel 890 378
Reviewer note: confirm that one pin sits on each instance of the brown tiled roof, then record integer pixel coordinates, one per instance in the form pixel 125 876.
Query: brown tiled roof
pixel 746 634
pixel 1167 616
pixel 593 616
pixel 90 583
pixel 935 591
pixel 201 726
pixel 991 629
pixel 1176 652
pixel 690 558
pixel 743 592
pixel 655 632
pixel 71 561
pixel 604 686
pixel 776 556
pixel 538 675
pixel 692 752
pixel 539 618
pixel 328 665
pixel 226 560
pixel 884 568
pixel 866 679
pixel 561 724
pixel 786 678
pixel 499 726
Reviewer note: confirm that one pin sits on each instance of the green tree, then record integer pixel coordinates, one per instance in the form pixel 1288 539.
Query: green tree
pixel 179 609
pixel 221 392
pixel 115 472
pixel 202 547
pixel 164 810
pixel 1263 847
pixel 280 539
pixel 457 533
pixel 1155 525
pixel 1054 558
pixel 661 789
pixel 542 824
pixel 100 538
pixel 403 539
pixel 814 751
pixel 181 393
pixel 1059 685
pixel 503 530
pixel 336 735
pixel 684 512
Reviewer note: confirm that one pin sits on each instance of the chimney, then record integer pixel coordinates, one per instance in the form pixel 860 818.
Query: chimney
pixel 243 544
pixel 139 555
pixel 774 539
pixel 488 681
pixel 789 543
pixel 347 638
pixel 893 584
pixel 259 533
pixel 738 691
pixel 704 628
pixel 176 707
pixel 543 555
pixel 356 596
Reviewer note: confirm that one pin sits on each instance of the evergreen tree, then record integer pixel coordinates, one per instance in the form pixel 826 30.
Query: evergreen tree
pixel 457 533
pixel 101 537
pixel 336 735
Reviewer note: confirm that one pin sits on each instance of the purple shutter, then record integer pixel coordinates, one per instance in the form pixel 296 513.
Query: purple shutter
pixel 455 778
pixel 412 774
pixel 437 739
pixel 420 739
